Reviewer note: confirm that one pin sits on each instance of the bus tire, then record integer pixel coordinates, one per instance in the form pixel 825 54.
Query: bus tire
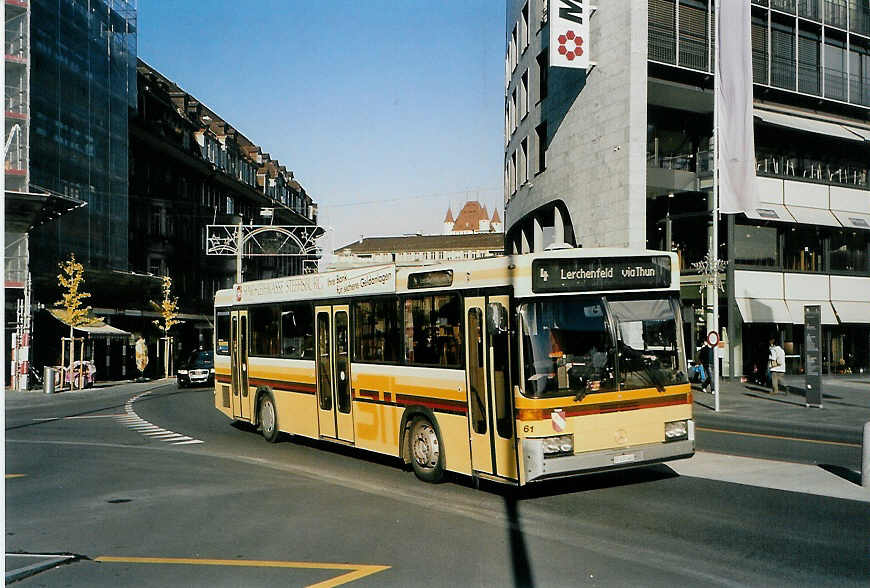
pixel 268 417
pixel 426 450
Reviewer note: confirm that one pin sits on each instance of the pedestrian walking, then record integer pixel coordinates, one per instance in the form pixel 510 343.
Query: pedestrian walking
pixel 706 357
pixel 776 361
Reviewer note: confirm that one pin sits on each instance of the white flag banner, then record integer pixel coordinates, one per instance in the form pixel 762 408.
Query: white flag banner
pixel 569 33
pixel 733 104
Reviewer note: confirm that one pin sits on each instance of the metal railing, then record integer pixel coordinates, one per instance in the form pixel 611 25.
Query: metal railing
pixel 15 100
pixel 813 170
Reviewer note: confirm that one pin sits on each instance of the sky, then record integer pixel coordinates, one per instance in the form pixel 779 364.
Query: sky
pixel 387 111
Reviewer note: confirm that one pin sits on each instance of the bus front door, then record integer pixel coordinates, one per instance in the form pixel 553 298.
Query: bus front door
pixel 490 405
pixel 334 402
pixel 239 364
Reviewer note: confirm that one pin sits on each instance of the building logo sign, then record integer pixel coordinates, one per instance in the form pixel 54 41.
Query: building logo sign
pixel 569 33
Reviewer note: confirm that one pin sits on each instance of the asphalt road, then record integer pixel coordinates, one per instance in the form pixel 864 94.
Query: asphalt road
pixel 203 503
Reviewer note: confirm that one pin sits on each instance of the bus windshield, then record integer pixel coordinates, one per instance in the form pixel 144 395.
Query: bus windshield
pixel 569 346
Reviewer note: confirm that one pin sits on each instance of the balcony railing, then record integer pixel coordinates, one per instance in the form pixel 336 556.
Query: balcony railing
pixel 777 166
pixel 15 101
pixel 813 170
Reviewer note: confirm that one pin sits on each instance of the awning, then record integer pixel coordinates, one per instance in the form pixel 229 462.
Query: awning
pixel 764 310
pixel 771 212
pixel 860 131
pixel 94 328
pixel 813 216
pixel 852 312
pixel 796 309
pixel 852 220
pixel 809 125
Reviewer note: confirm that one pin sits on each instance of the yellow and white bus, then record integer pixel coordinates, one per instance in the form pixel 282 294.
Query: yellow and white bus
pixel 515 369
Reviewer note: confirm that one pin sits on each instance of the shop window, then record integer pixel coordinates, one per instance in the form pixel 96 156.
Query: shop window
pixel 803 251
pixel 849 251
pixel 757 246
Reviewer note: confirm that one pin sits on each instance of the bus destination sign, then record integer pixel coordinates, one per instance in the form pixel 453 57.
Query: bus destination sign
pixel 597 275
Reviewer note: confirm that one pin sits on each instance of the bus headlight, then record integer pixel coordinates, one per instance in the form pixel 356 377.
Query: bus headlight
pixel 558 445
pixel 676 431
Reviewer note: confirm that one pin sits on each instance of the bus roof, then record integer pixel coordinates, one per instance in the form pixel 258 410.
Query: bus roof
pixel 571 265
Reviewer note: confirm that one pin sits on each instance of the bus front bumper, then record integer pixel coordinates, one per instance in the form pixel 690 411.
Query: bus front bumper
pixel 540 468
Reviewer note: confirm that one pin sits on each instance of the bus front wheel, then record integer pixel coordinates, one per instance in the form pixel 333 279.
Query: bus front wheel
pixel 427 459
pixel 268 418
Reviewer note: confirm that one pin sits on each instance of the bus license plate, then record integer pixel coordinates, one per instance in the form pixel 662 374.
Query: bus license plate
pixel 625 458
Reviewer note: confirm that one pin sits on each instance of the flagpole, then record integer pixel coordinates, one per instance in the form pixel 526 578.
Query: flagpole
pixel 714 247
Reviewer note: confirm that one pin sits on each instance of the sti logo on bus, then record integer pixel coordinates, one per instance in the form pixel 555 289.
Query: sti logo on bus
pixel 569 33
pixel 598 275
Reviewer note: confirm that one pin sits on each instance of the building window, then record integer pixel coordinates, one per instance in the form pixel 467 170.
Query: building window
pixel 782 46
pixel 541 137
pixel 155 266
pixel 809 54
pixel 835 69
pixel 803 249
pixel 756 246
pixel 514 49
pixel 523 163
pixel 524 25
pixel 543 60
pixel 524 94
pixel 849 251
pixel 513 110
pixel 513 173
pixel 230 207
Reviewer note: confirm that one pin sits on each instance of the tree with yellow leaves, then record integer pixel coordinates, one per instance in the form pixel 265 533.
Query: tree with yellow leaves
pixel 168 309
pixel 72 278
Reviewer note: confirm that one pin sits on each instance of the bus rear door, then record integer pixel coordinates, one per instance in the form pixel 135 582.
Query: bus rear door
pixel 490 406
pixel 334 403
pixel 239 364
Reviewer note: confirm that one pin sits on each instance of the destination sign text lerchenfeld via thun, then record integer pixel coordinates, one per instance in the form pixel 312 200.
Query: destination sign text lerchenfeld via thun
pixel 594 275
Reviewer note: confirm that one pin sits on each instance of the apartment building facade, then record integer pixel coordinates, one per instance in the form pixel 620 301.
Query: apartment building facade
pixel 619 154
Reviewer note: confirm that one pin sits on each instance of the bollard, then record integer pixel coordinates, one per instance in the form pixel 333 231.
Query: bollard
pixel 865 457
pixel 48 380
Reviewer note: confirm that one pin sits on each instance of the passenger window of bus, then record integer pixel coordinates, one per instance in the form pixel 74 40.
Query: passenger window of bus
pixel 297 331
pixel 432 334
pixel 264 331
pixel 650 355
pixel 376 332
pixel 222 332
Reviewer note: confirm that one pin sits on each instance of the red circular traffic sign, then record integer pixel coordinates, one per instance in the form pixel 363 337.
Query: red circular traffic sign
pixel 712 338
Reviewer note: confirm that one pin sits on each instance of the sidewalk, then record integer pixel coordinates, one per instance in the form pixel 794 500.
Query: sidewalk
pixel 845 409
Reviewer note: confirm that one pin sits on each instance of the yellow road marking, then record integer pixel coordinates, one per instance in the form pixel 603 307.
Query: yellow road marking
pixel 355 571
pixel 15 476
pixel 840 443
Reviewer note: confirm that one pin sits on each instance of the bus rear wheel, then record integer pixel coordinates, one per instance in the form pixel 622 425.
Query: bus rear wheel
pixel 427 459
pixel 268 418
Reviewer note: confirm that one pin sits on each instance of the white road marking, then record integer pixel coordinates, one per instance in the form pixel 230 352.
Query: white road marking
pixel 135 423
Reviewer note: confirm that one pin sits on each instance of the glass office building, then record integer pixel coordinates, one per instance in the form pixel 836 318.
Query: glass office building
pixel 83 82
